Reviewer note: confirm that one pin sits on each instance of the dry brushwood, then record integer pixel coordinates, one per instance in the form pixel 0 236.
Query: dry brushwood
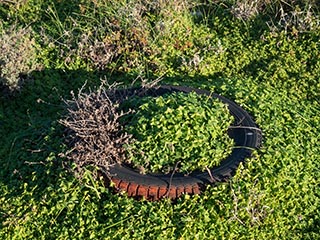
pixel 95 133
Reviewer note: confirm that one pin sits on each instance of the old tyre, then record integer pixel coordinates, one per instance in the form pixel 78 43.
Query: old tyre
pixel 247 137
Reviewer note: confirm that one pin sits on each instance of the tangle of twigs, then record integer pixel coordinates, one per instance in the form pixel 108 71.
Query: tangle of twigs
pixel 95 136
pixel 94 131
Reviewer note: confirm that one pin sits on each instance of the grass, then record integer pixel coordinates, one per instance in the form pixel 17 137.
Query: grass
pixel 271 71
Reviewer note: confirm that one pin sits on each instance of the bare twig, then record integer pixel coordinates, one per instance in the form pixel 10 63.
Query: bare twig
pixel 170 181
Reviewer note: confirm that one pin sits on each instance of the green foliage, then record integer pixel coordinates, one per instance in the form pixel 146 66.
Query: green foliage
pixel 272 74
pixel 188 129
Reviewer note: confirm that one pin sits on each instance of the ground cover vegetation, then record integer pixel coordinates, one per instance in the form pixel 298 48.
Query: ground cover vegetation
pixel 178 132
pixel 262 54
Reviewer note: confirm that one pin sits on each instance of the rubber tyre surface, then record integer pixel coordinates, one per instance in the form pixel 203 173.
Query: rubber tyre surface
pixel 244 131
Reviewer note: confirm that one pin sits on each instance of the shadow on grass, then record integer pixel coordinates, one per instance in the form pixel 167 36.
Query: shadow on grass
pixel 31 167
pixel 33 138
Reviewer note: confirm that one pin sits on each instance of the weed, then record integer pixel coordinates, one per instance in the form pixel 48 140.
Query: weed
pixel 246 9
pixel 185 128
pixel 296 16
pixel 18 56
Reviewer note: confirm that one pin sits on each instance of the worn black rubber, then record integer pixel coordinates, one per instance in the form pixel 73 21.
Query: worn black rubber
pixel 244 131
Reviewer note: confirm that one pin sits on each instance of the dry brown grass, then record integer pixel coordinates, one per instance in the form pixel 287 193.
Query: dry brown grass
pixel 297 15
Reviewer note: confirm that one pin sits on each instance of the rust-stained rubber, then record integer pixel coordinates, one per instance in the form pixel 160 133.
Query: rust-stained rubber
pixel 244 131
